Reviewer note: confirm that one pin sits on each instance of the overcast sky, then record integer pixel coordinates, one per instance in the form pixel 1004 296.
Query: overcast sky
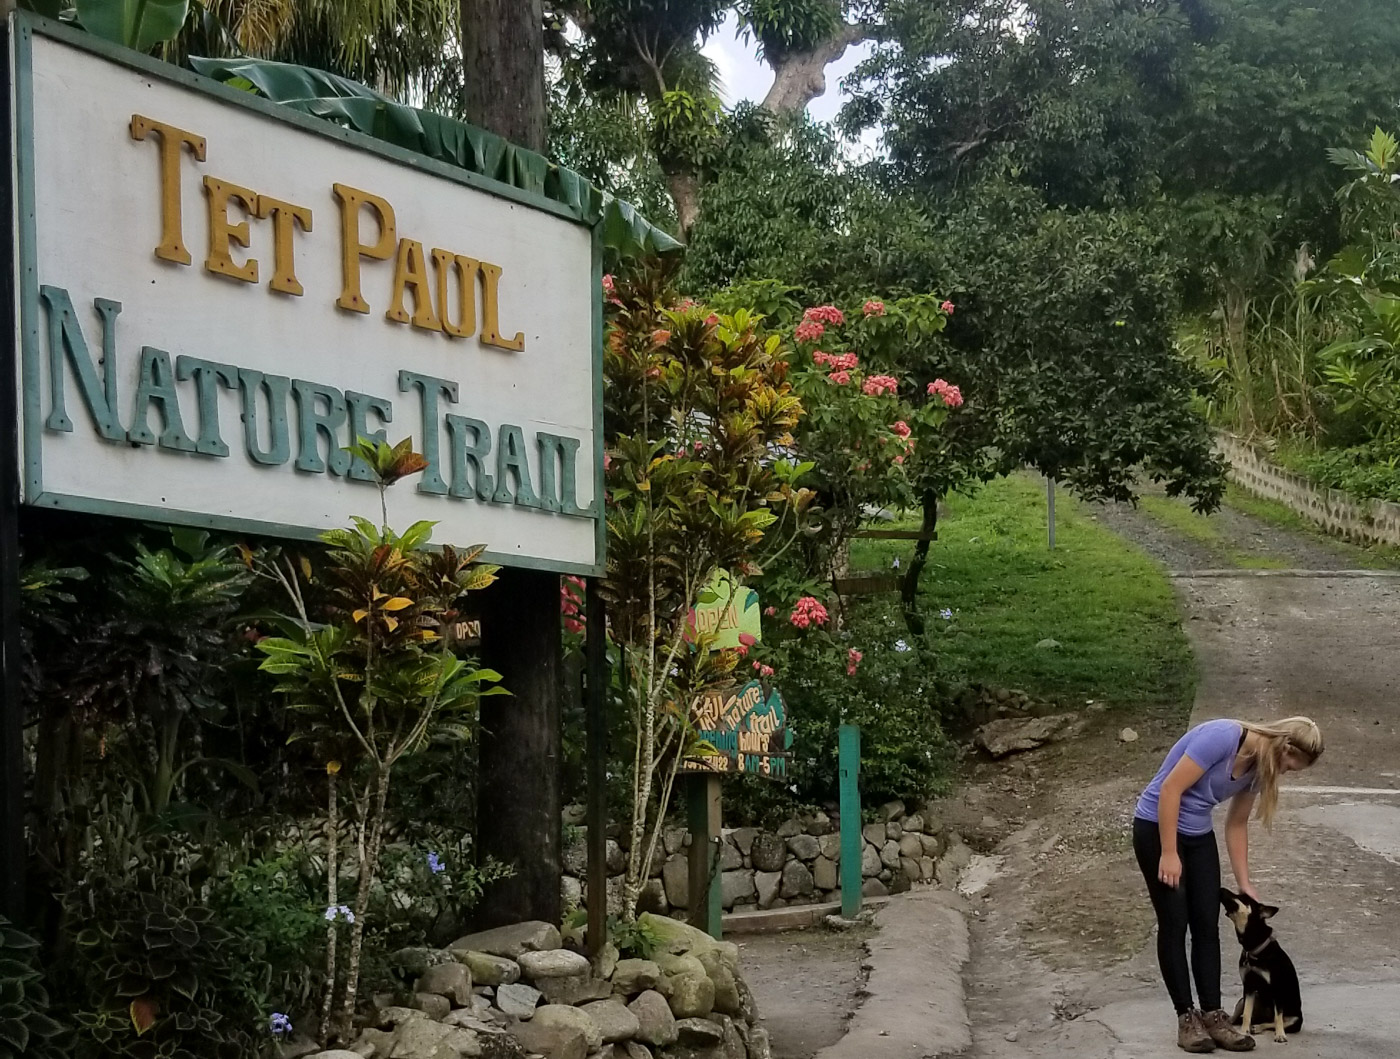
pixel 743 76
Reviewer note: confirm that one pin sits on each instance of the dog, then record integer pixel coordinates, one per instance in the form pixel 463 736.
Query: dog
pixel 1271 990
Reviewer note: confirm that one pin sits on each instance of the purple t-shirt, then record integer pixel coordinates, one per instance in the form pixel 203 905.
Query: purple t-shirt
pixel 1212 746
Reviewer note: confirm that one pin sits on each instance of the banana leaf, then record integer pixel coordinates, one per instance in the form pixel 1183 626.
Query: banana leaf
pixel 625 232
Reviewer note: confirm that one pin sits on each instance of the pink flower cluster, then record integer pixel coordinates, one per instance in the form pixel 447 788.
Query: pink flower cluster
pixel 853 658
pixel 809 331
pixel 843 361
pixel 947 307
pixel 808 612
pixel 952 396
pixel 571 591
pixel 824 314
pixel 874 308
pixel 769 612
pixel 840 378
pixel 901 428
pixel 610 290
pixel 762 670
pixel 875 385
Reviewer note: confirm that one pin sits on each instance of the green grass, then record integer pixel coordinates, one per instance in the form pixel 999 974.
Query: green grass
pixel 1107 604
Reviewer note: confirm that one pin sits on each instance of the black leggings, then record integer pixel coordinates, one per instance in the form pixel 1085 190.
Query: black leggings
pixel 1195 903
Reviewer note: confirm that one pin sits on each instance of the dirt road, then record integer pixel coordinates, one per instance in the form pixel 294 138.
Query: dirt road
pixel 1062 962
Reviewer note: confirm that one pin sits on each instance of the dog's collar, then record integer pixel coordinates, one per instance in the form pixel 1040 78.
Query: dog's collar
pixel 1260 947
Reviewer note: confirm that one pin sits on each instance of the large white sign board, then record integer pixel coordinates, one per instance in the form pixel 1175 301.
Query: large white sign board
pixel 266 287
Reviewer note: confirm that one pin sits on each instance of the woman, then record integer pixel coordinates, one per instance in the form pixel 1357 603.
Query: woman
pixel 1175 846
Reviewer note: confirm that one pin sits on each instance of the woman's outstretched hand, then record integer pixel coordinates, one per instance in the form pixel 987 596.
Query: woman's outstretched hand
pixel 1169 870
pixel 1249 891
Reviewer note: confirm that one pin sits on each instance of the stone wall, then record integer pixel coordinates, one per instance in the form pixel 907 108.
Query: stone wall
pixel 799 863
pixel 1361 521
pixel 521 991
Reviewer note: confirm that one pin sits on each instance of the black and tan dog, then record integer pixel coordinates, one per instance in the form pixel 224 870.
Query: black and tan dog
pixel 1271 991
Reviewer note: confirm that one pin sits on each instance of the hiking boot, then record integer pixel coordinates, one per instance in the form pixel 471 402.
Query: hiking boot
pixel 1191 1034
pixel 1222 1031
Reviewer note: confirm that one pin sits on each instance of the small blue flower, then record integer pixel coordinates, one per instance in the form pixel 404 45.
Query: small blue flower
pixel 901 646
pixel 435 864
pixel 946 613
pixel 334 912
pixel 279 1025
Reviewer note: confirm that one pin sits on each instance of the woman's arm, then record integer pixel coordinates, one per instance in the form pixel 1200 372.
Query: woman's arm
pixel 1237 840
pixel 1185 773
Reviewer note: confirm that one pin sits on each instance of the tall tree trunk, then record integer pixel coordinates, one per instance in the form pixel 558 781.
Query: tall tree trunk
pixel 685 193
pixel 800 77
pixel 521 798
pixel 503 61
pixel 520 804
pixel 909 585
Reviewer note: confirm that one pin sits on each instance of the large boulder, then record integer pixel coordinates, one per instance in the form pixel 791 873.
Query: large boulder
pixel 635 976
pixel 433 1005
pixel 1010 735
pixel 451 980
pixel 489 970
pixel 824 874
pixel 769 852
pixel 425 1039
pixel 797 880
pixel 730 859
pixel 830 846
pixel 692 994
pixel 513 940
pixel 675 877
pixel 889 855
pixel 517 999
pixel 737 887
pixel 553 1040
pixel 677 937
pixel 574 989
pixel 614 1021
pixel 655 1023
pixel 699 1033
pixel 553 963
pixel 911 846
pixel 869 862
pixel 743 837
pixel 767 884
pixel 804 847
pixel 416 960
pixel 559 1015
pixel 653 897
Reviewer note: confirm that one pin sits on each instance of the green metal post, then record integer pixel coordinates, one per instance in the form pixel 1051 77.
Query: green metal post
pixel 706 893
pixel 851 842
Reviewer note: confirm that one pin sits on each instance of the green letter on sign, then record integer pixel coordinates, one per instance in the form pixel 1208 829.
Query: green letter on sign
pixel 465 457
pixel 312 423
pixel 66 336
pixel 511 460
pixel 361 404
pixel 158 387
pixel 279 445
pixel 431 388
pixel 207 376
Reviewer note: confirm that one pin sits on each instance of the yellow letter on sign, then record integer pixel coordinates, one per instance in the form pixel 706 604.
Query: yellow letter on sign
pixel 490 312
pixel 172 236
pixel 223 235
pixel 285 219
pixel 351 249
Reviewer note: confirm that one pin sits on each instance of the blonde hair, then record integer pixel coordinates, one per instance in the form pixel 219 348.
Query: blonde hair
pixel 1298 735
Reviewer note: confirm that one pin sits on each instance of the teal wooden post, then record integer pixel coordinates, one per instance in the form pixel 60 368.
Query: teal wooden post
pixel 851 841
pixel 706 893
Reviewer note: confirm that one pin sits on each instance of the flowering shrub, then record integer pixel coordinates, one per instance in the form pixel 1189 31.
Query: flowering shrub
pixel 875 385
pixel 872 673
pixel 808 612
pixel 950 395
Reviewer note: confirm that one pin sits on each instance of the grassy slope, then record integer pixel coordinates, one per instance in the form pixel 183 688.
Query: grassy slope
pixel 1108 605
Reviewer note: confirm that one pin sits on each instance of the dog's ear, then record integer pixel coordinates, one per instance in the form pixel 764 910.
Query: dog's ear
pixel 1229 900
pixel 1267 911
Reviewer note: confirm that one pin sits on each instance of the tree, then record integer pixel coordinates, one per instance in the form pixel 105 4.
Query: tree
pixel 799 39
pixel 698 413
pixel 503 60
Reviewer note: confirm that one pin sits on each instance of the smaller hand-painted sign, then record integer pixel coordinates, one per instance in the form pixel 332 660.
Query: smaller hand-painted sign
pixel 728 611
pixel 747 730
